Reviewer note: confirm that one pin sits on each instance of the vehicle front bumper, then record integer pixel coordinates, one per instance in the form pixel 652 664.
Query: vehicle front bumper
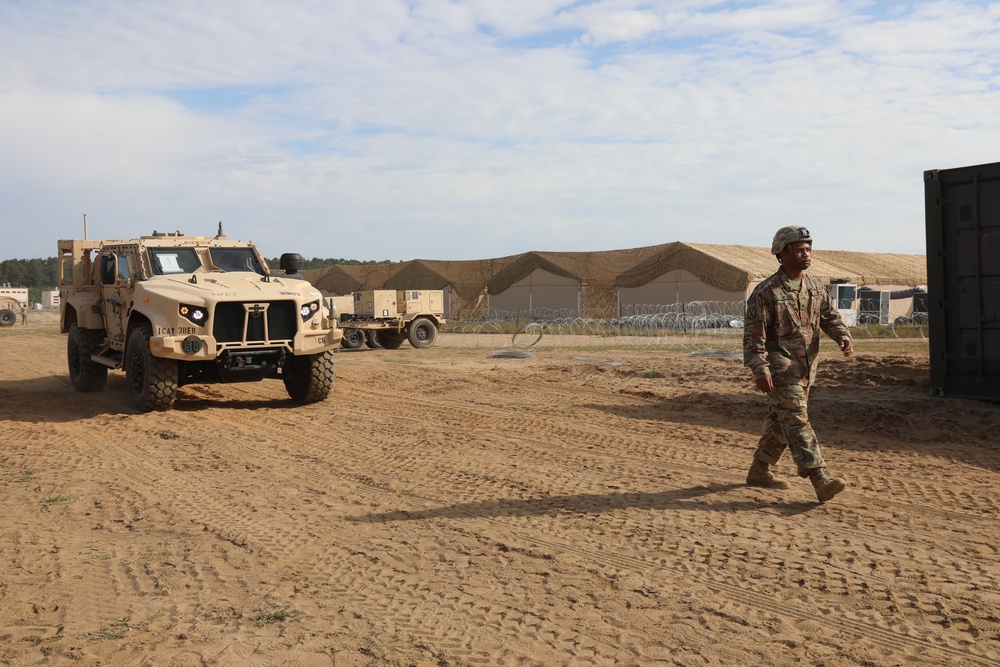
pixel 195 347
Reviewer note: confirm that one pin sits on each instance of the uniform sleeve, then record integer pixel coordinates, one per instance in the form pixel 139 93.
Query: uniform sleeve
pixel 755 335
pixel 831 322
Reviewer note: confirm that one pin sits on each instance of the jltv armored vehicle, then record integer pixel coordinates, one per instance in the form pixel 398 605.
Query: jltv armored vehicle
pixel 172 310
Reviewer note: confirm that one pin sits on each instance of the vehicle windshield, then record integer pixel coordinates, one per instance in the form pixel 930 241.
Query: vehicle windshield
pixel 236 259
pixel 168 261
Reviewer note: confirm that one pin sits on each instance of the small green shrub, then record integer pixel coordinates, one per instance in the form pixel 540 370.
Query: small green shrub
pixel 275 615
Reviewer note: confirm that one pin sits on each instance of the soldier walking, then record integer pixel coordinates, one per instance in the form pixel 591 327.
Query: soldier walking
pixel 24 314
pixel 784 317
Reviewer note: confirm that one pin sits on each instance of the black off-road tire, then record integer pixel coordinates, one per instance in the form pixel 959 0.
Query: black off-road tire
pixel 85 374
pixel 422 333
pixel 151 381
pixel 309 377
pixel 353 339
pixel 374 340
pixel 7 317
pixel 391 340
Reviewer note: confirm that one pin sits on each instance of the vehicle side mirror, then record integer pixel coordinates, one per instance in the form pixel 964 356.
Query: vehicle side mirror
pixel 291 263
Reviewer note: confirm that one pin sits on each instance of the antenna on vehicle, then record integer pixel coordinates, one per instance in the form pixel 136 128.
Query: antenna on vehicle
pixel 220 235
pixel 84 226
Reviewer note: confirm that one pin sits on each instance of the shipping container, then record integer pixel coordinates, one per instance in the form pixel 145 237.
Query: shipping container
pixel 962 208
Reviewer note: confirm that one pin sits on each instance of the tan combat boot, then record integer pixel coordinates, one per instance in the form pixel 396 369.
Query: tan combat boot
pixel 826 487
pixel 761 475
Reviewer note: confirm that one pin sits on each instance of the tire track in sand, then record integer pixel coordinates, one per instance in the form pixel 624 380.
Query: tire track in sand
pixel 891 638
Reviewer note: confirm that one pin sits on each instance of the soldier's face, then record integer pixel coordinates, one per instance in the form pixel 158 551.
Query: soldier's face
pixel 797 255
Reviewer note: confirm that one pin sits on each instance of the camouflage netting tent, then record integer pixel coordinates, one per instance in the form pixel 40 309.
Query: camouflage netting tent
pixel 880 268
pixel 464 282
pixel 347 278
pixel 593 273
pixel 591 284
pixel 334 279
pixel 736 268
pixel 728 270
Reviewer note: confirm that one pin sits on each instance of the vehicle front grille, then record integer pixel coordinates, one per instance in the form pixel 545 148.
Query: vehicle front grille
pixel 263 321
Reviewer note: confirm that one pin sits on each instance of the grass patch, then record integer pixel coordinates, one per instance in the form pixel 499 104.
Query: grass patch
pixel 54 500
pixel 120 629
pixel 378 651
pixel 917 347
pixel 45 329
pixel 117 630
pixel 653 374
pixel 27 475
pixel 276 615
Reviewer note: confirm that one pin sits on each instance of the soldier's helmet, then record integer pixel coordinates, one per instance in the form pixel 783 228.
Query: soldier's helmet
pixel 788 235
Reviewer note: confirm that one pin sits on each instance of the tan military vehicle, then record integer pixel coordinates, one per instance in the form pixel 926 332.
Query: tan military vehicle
pixel 173 310
pixel 387 318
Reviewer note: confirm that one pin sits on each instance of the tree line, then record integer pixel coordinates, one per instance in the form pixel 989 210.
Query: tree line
pixel 317 263
pixel 42 274
pixel 37 275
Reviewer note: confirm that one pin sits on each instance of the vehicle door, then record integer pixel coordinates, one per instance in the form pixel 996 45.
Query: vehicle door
pixel 116 269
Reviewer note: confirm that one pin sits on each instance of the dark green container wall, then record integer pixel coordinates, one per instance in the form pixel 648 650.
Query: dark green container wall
pixel 963 280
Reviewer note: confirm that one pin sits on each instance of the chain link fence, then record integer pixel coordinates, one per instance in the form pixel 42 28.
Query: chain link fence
pixel 709 326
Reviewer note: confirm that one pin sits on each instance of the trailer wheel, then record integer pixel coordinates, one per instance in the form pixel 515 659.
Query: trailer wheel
pixel 391 340
pixel 422 333
pixel 309 377
pixel 151 381
pixel 374 340
pixel 86 375
pixel 7 317
pixel 353 339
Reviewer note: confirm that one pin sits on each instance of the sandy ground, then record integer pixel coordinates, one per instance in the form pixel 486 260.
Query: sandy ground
pixel 448 508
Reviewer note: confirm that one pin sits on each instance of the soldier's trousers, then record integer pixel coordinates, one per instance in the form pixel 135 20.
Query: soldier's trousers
pixel 787 426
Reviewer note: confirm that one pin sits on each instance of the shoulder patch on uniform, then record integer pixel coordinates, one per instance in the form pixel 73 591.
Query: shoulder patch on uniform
pixel 751 312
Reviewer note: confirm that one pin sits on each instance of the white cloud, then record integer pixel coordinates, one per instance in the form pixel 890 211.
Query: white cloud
pixel 624 26
pixel 447 129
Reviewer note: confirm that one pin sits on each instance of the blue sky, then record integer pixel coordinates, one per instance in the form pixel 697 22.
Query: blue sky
pixel 442 129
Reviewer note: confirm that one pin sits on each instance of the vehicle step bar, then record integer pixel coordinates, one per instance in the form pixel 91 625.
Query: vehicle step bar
pixel 110 358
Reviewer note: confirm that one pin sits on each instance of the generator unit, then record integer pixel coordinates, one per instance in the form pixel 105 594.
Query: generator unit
pixel 376 303
pixel 873 306
pixel 844 294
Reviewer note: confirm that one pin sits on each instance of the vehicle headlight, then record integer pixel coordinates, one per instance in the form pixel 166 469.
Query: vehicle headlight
pixel 194 314
pixel 308 310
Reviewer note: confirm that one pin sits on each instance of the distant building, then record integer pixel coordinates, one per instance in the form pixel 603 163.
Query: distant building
pixel 50 299
pixel 20 294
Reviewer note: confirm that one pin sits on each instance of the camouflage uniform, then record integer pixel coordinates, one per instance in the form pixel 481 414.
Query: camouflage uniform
pixel 781 339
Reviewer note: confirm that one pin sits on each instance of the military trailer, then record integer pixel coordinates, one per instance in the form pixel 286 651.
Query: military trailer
pixel 172 310
pixel 387 318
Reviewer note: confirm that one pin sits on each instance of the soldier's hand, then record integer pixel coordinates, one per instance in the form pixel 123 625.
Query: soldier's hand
pixel 847 345
pixel 765 384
